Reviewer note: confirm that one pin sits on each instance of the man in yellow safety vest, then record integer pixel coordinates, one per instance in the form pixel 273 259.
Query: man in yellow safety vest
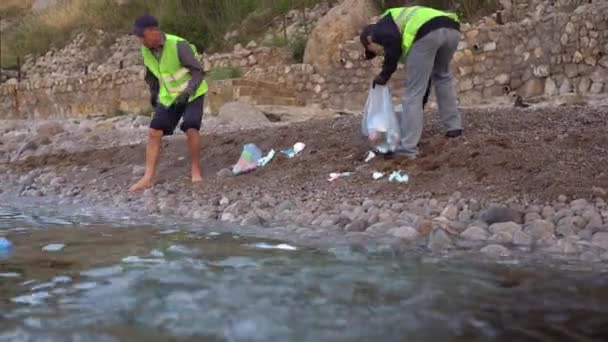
pixel 425 39
pixel 177 89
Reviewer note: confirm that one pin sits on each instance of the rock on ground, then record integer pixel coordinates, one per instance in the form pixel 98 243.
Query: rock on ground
pixel 340 24
pixel 497 214
pixel 242 113
pixel 496 251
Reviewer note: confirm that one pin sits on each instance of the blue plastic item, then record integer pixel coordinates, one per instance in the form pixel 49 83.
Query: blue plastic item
pixel 5 247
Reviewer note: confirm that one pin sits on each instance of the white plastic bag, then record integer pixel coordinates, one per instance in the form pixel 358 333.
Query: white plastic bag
pixel 379 120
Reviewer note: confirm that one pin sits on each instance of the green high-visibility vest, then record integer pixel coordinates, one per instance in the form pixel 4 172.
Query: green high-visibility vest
pixel 172 76
pixel 410 19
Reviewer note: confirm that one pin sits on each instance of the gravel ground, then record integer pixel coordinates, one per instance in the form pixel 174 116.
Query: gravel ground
pixel 521 180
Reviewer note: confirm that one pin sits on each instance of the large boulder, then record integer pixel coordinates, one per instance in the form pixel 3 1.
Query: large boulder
pixel 340 24
pixel 242 114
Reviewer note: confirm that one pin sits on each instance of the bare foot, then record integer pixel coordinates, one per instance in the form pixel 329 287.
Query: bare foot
pixel 142 184
pixel 196 179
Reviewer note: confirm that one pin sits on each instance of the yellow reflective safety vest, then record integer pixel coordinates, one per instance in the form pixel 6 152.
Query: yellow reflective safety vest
pixel 410 19
pixel 172 76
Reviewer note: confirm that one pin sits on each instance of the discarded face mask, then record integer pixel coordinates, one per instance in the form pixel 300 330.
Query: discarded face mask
pixel 377 175
pixel 293 151
pixel 248 161
pixel 396 176
pixel 265 160
pixel 335 175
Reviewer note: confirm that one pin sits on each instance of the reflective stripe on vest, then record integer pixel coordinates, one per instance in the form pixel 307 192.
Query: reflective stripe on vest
pixel 176 76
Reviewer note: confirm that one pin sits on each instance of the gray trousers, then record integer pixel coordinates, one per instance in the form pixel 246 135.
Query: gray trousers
pixel 429 57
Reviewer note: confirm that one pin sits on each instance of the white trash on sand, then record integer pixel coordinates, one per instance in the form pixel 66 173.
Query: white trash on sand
pixel 396 176
pixel 295 150
pixel 335 175
pixel 377 175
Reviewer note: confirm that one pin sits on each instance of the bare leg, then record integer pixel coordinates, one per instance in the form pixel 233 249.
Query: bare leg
pixel 194 145
pixel 152 152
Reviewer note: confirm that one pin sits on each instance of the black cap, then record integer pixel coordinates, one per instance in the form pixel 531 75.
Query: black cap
pixel 367 32
pixel 143 23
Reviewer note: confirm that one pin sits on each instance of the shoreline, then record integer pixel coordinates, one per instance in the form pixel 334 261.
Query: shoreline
pixel 292 200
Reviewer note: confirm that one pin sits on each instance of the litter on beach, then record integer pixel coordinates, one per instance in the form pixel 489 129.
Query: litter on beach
pixel 266 159
pixel 371 155
pixel 295 150
pixel 54 247
pixel 396 176
pixel 335 175
pixel 377 175
pixel 248 160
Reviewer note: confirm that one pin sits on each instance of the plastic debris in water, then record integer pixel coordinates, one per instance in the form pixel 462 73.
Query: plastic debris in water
pixel 265 160
pixel 371 155
pixel 396 176
pixel 335 175
pixel 54 247
pixel 169 231
pixel 283 246
pixel 213 234
pixel 5 245
pixel 377 175
pixel 293 151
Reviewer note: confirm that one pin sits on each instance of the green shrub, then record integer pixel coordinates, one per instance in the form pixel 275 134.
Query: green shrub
pixel 203 22
pixel 223 73
pixel 297 45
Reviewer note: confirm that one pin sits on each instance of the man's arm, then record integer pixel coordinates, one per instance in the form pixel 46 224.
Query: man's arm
pixel 189 61
pixel 386 33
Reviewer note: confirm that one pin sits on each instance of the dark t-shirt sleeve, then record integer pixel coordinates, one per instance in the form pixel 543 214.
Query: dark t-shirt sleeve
pixel 189 61
pixel 386 33
pixel 152 82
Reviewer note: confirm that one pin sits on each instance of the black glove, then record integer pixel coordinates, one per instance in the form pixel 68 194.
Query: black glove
pixel 379 80
pixel 181 102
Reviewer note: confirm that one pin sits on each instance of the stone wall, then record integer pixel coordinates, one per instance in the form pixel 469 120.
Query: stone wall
pixel 556 54
pixel 122 92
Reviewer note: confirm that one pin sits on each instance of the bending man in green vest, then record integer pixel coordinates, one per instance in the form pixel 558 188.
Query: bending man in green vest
pixel 177 89
pixel 426 40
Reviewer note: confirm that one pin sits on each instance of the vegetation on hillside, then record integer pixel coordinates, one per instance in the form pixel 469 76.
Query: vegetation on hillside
pixel 203 22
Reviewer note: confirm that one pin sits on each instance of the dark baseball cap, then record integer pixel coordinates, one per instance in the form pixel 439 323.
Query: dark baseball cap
pixel 367 32
pixel 142 23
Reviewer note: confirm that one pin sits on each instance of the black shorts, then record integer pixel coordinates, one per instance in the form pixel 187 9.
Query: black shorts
pixel 166 119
